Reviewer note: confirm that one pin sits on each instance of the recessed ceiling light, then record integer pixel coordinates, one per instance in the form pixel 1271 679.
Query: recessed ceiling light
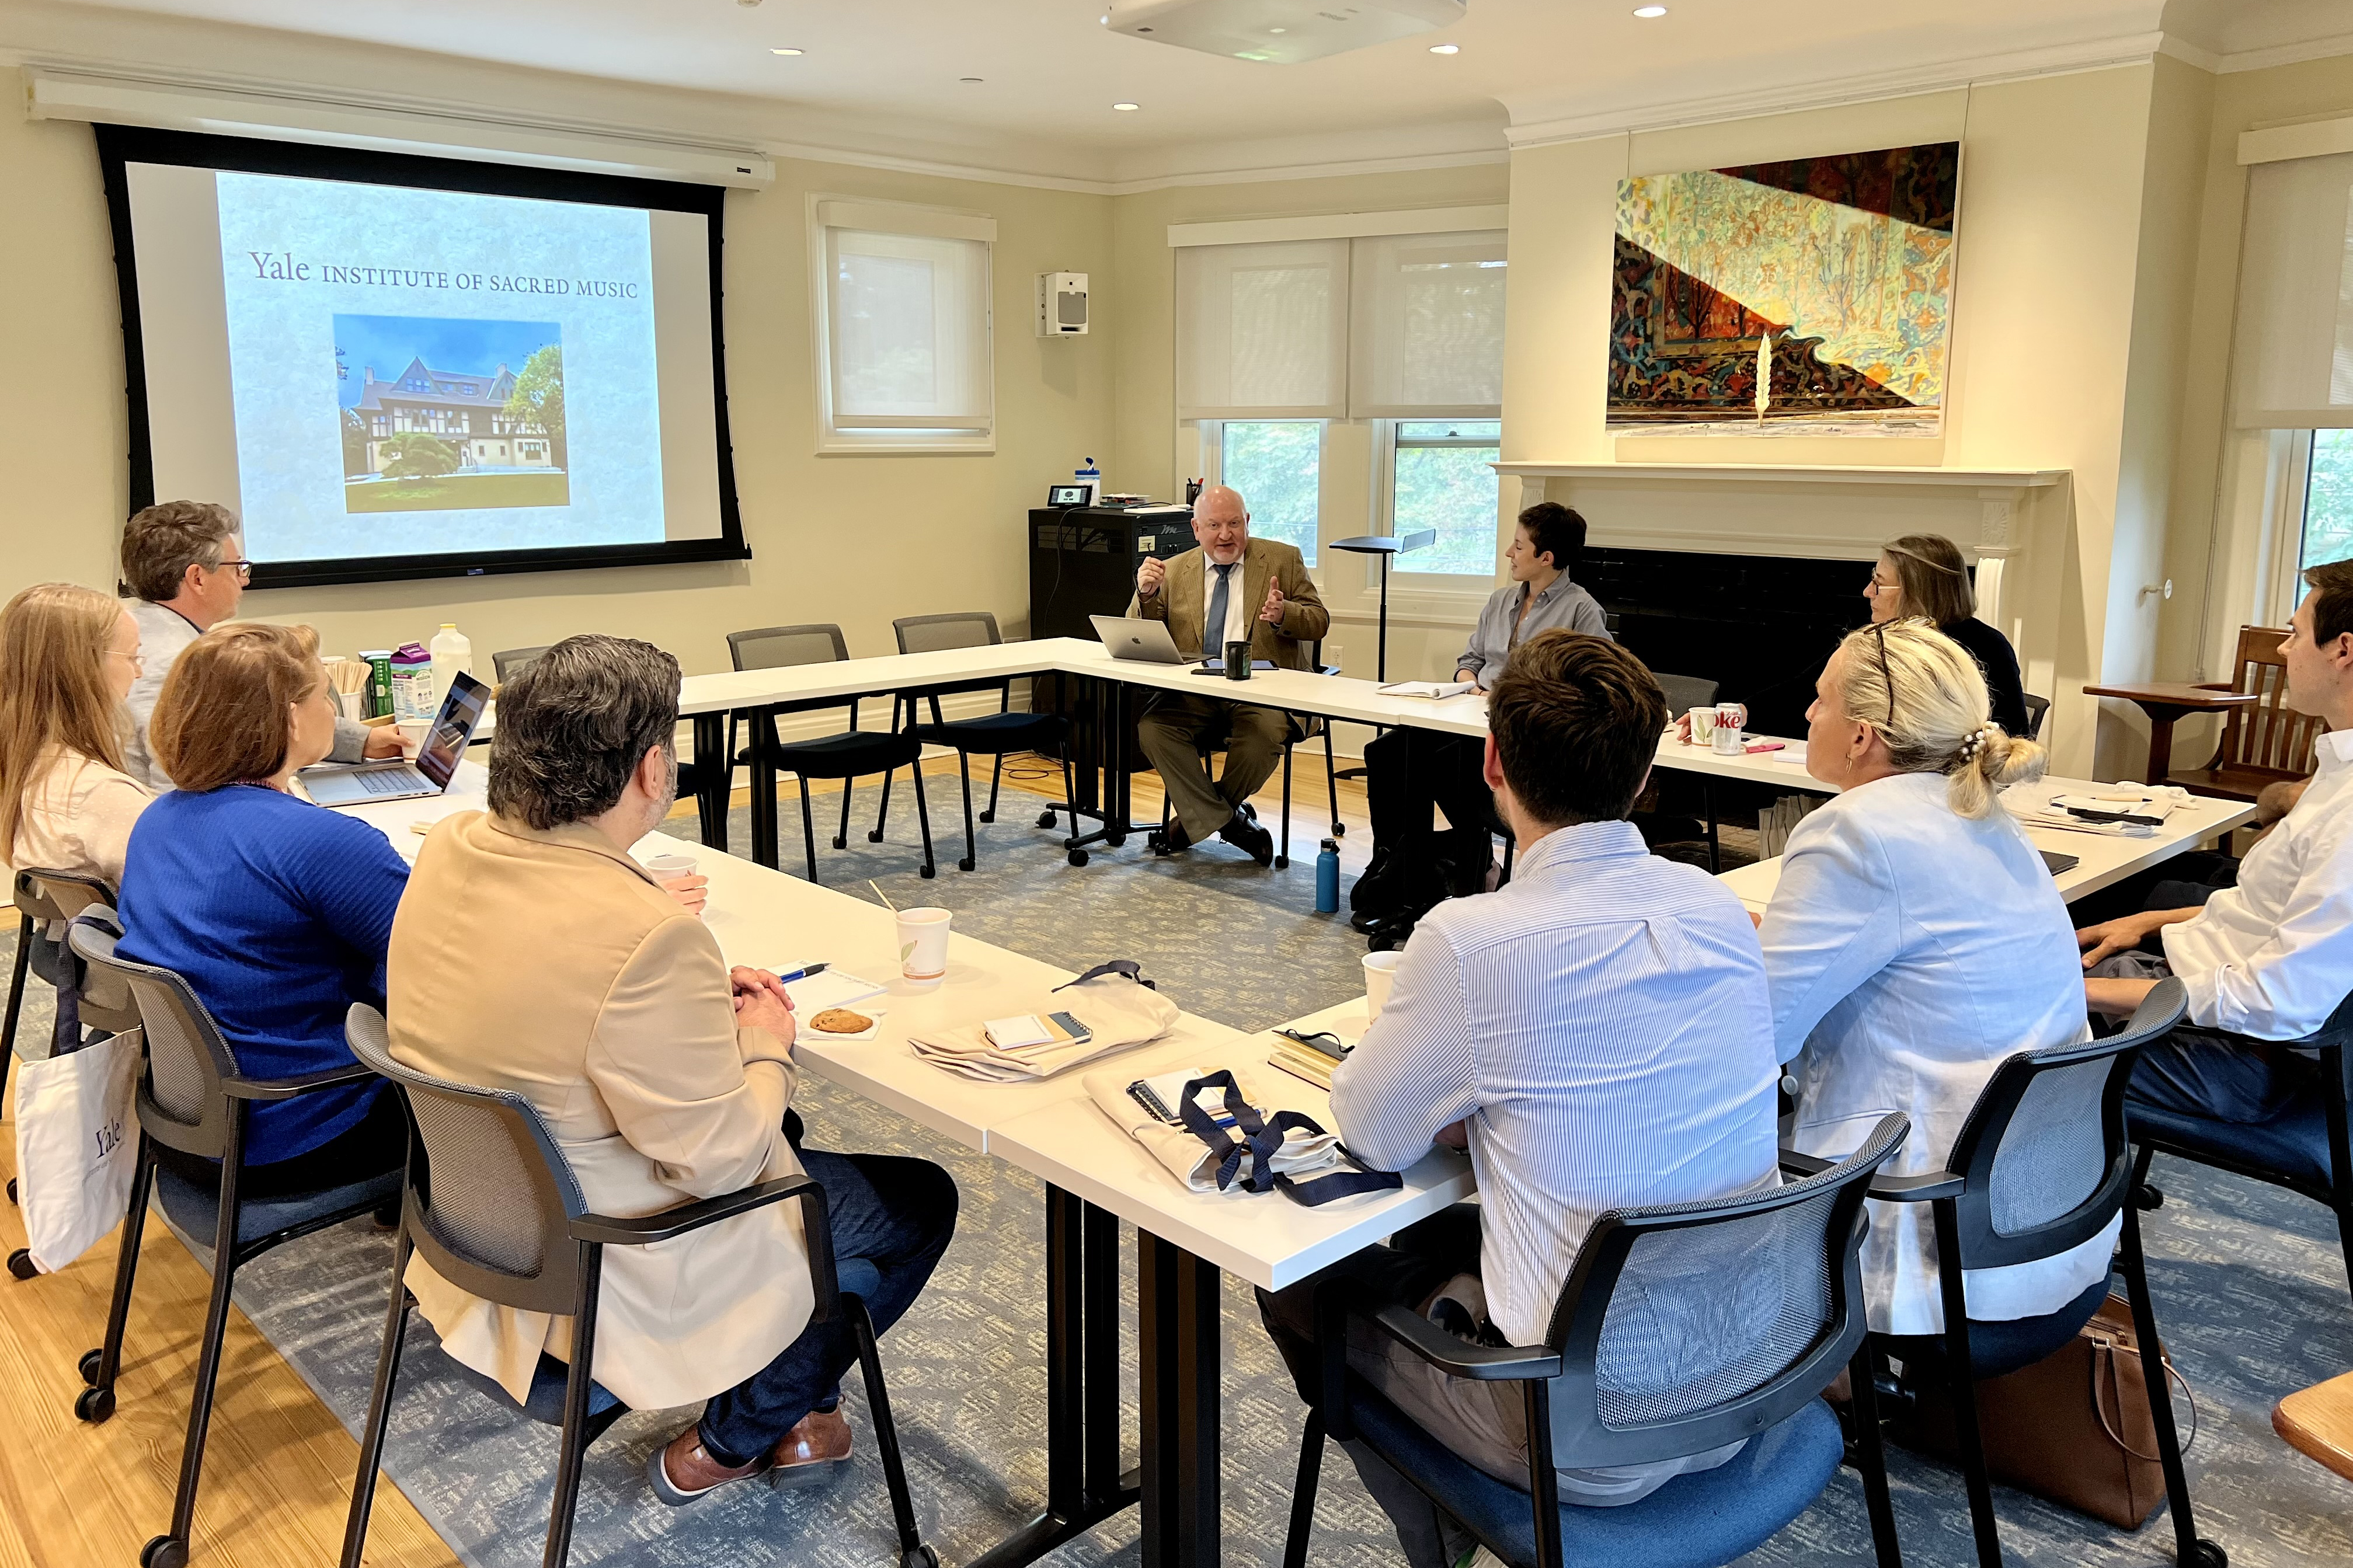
pixel 1127 106
pixel 1445 48
pixel 784 51
pixel 1650 12
pixel 1278 29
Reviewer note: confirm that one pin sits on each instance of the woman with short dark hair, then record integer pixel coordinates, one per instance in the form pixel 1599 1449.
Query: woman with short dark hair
pixel 1922 576
pixel 275 912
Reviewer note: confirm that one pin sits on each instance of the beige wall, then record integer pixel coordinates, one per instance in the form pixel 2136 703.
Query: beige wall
pixel 2046 334
pixel 2216 541
pixel 854 539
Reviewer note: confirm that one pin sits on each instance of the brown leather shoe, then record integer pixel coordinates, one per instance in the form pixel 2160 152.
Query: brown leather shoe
pixel 812 1451
pixel 683 1471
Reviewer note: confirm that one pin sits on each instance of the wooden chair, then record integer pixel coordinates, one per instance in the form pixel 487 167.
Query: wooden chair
pixel 2319 1422
pixel 2262 744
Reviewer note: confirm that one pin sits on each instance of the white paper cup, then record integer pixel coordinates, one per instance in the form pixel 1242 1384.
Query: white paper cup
pixel 413 732
pixel 1380 974
pixel 1703 725
pixel 671 867
pixel 924 944
pixel 355 704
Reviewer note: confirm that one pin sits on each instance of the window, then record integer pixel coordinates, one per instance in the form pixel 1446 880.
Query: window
pixel 1442 479
pixel 1277 465
pixel 904 327
pixel 2328 501
pixel 1384 346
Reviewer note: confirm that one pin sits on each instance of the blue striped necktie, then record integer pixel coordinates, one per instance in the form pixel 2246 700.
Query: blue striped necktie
pixel 1213 630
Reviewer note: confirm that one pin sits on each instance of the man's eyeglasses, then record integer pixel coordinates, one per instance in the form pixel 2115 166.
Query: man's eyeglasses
pixel 244 569
pixel 1885 673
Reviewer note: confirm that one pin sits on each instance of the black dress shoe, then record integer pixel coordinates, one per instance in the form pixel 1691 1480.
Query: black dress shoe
pixel 1172 839
pixel 1244 833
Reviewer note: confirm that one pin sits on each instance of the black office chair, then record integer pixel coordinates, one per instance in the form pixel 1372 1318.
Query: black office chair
pixel 2305 1150
pixel 490 1202
pixel 194 1098
pixel 43 898
pixel 2036 707
pixel 851 755
pixel 2040 1166
pixel 516 660
pixel 1760 1297
pixel 992 735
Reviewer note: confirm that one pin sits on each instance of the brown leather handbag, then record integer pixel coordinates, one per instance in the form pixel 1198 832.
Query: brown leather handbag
pixel 2074 1428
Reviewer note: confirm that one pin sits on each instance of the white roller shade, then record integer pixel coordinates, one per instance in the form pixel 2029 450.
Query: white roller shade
pixel 2294 368
pixel 1263 330
pixel 1427 327
pixel 908 316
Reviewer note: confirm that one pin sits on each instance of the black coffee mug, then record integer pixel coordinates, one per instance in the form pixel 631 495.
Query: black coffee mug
pixel 1237 661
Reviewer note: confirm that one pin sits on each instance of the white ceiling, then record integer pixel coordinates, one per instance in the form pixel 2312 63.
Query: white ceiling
pixel 1051 72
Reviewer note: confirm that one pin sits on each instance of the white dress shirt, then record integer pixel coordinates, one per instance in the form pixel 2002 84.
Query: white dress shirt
pixel 2273 956
pixel 1601 1021
pixel 1910 949
pixel 1238 614
pixel 163 633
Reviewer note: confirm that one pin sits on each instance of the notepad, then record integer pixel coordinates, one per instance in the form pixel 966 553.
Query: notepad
pixel 831 988
pixel 1428 688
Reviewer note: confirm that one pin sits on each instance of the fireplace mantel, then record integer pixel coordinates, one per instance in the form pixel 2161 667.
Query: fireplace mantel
pixel 1842 512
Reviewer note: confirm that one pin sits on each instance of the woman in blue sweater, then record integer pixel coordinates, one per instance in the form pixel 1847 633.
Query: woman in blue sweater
pixel 275 912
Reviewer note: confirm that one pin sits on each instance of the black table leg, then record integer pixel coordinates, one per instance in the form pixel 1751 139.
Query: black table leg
pixel 1083 1486
pixel 763 729
pixel 1179 1377
pixel 715 774
pixel 1707 799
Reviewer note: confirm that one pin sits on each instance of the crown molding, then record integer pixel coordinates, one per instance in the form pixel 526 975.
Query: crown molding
pixel 1532 127
pixel 2325 48
pixel 1320 169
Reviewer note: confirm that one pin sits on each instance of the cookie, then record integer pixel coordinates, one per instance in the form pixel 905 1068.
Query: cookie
pixel 841 1021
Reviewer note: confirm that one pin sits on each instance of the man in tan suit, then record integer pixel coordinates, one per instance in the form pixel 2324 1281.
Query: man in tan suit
pixel 1258 591
pixel 533 953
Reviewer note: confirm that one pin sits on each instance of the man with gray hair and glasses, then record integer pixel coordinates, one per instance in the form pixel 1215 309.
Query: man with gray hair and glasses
pixel 183 562
pixel 533 953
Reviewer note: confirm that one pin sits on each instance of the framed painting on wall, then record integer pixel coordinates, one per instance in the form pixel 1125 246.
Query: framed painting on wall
pixel 1809 297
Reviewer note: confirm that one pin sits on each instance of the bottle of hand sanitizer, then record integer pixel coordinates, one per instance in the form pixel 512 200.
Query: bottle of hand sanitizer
pixel 1090 477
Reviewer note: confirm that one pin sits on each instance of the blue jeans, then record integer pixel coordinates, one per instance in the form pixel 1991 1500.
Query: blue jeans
pixel 898 1215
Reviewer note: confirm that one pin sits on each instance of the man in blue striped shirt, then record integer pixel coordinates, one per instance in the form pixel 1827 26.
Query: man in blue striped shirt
pixel 1597 1031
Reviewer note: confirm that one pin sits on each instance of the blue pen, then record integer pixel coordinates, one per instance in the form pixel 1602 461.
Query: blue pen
pixel 802 973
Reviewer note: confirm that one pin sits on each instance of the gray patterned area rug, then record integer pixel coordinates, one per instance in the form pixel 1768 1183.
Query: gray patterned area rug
pixel 2249 1286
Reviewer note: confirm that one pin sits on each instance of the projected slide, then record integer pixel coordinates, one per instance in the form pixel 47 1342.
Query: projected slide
pixel 460 408
pixel 371 372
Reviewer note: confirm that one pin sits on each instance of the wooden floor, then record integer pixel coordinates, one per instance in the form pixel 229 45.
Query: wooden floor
pixel 277 1467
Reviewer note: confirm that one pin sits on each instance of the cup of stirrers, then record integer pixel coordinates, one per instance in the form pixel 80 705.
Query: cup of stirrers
pixel 349 679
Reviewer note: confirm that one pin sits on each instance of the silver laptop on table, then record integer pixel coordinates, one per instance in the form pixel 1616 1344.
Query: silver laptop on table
pixel 1145 641
pixel 366 784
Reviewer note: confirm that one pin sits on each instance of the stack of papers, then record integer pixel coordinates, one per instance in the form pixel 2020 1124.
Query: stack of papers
pixel 1434 688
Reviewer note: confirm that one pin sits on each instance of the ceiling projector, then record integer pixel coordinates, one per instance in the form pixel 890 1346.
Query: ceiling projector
pixel 1284 32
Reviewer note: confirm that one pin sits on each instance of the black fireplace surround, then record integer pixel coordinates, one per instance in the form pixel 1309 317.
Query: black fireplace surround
pixel 1759 626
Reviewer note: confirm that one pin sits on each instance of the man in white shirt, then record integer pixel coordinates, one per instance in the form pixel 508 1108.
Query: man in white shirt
pixel 1598 1032
pixel 2268 962
pixel 185 560
pixel 1233 588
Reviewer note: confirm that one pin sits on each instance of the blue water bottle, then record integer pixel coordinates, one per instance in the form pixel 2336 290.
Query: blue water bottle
pixel 1327 879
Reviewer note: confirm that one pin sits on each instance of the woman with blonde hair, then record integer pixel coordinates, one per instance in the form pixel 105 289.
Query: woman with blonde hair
pixel 1922 576
pixel 275 912
pixel 68 657
pixel 1914 939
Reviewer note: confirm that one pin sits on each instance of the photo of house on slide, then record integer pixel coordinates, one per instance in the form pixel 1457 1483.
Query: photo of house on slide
pixel 451 415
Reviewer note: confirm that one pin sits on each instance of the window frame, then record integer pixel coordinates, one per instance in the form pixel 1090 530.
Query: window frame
pixel 827 214
pixel 1431 585
pixel 1212 436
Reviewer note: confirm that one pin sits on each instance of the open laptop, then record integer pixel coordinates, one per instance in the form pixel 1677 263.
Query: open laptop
pixel 364 784
pixel 1146 642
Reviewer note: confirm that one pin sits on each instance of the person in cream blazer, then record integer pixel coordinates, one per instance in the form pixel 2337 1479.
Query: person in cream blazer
pixel 533 953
